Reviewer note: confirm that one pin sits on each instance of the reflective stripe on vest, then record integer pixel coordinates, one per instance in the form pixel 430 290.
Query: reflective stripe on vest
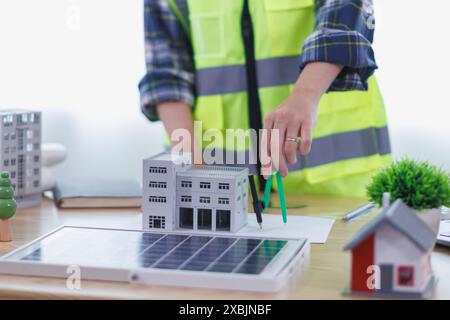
pixel 231 79
pixel 350 125
pixel 329 149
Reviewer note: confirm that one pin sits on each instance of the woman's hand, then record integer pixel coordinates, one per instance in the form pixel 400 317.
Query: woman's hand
pixel 296 116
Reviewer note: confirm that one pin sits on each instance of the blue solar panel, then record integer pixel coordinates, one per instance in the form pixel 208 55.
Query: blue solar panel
pixel 135 249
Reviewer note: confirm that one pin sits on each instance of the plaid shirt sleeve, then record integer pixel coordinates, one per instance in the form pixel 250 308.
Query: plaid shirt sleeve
pixel 343 35
pixel 168 56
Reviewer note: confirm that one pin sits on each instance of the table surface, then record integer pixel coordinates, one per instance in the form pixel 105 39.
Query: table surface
pixel 326 276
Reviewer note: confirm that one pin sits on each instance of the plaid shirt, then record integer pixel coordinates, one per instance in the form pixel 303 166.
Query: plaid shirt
pixel 343 35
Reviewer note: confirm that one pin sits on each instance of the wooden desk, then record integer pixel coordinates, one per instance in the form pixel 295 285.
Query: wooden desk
pixel 325 278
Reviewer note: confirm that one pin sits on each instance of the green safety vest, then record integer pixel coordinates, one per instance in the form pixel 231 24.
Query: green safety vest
pixel 350 140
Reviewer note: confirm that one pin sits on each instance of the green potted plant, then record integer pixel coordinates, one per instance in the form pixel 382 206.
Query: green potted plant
pixel 420 185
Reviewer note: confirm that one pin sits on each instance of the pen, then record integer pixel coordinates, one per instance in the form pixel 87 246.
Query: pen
pixel 358 212
pixel 255 201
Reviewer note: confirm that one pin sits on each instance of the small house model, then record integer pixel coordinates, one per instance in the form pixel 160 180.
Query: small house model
pixel 20 153
pixel 180 196
pixel 394 250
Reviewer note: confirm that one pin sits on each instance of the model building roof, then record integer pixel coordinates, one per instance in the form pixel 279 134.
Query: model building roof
pixel 167 156
pixel 402 218
pixel 212 171
pixel 17 111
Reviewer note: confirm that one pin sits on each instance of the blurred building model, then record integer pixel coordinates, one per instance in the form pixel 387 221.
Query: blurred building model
pixel 20 143
pixel 179 196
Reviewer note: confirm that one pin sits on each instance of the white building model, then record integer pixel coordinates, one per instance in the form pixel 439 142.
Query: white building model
pixel 20 155
pixel 180 196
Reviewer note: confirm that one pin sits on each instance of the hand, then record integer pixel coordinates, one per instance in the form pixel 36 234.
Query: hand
pixel 296 116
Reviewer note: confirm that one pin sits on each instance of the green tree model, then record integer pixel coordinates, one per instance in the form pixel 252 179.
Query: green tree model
pixel 7 206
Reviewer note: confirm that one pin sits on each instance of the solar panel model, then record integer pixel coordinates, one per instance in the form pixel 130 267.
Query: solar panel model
pixel 158 258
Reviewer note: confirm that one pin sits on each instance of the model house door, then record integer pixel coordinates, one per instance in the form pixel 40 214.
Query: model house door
pixel 387 277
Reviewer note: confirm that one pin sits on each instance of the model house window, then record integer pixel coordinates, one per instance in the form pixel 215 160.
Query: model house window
pixel 36 183
pixel 157 199
pixel 224 186
pixel 5 136
pixel 223 221
pixel 157 222
pixel 224 201
pixel 205 185
pixel 186 184
pixel 13 174
pixel 405 276
pixel 187 218
pixel 205 200
pixel 186 199
pixel 158 170
pixel 36 158
pixel 204 219
pixel 6 162
pixel 13 162
pixel 157 184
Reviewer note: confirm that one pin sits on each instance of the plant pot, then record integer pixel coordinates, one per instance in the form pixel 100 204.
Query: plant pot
pixel 432 217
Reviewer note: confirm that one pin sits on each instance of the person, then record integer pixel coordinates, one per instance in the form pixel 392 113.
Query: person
pixel 302 67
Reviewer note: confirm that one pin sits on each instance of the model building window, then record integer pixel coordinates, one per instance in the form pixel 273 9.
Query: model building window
pixel 186 184
pixel 13 174
pixel 158 222
pixel 224 201
pixel 157 199
pixel 223 220
pixel 204 219
pixel 36 171
pixel 157 184
pixel 186 199
pixel 13 136
pixel 13 162
pixel 5 136
pixel 158 170
pixel 224 186
pixel 187 218
pixel 205 200
pixel 36 183
pixel 205 185
pixel 36 158
pixel 406 276
pixel 6 162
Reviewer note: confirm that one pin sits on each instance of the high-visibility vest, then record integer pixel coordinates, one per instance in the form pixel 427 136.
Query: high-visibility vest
pixel 350 140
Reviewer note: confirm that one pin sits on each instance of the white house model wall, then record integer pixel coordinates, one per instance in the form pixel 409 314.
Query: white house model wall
pixel 179 196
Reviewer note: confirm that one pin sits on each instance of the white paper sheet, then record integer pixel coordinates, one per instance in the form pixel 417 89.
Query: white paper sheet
pixel 315 229
pixel 444 233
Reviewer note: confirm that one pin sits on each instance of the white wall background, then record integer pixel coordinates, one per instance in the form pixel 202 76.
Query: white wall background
pixel 84 78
